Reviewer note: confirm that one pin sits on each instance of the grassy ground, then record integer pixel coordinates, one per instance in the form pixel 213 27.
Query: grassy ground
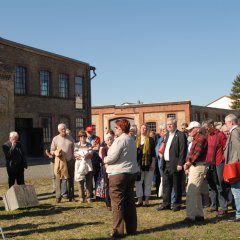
pixel 72 221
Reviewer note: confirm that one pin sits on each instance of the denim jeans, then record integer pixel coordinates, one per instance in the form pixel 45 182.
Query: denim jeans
pixel 235 188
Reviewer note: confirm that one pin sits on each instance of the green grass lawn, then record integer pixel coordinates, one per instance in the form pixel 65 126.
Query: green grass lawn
pixel 75 220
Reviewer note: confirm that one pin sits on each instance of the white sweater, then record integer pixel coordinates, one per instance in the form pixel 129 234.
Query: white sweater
pixel 122 156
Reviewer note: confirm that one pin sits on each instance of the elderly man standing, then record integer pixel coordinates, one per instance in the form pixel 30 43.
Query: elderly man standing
pixel 195 169
pixel 174 157
pixel 232 154
pixel 15 160
pixel 64 143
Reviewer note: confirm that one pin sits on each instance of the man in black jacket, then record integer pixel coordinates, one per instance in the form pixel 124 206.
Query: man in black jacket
pixel 174 158
pixel 15 160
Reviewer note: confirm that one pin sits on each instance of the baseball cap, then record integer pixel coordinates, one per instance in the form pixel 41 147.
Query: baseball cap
pixel 89 129
pixel 193 124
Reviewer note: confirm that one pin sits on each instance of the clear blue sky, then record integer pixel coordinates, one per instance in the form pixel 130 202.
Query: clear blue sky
pixel 148 50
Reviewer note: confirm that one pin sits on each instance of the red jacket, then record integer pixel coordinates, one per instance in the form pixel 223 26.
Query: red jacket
pixel 221 141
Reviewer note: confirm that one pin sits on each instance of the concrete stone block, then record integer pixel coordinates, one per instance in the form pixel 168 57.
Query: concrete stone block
pixel 20 196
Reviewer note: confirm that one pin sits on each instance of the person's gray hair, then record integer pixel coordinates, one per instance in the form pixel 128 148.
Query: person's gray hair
pixel 68 131
pixel 13 134
pixel 108 136
pixel 231 117
pixel 174 120
pixel 162 126
pixel 61 125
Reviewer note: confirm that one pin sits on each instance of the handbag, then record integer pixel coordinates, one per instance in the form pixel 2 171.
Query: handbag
pixel 161 148
pixel 231 172
pixel 211 171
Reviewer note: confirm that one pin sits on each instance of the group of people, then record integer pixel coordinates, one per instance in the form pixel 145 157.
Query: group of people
pixel 127 160
pixel 196 155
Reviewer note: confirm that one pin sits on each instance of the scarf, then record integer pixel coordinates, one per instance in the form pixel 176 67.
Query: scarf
pixel 146 159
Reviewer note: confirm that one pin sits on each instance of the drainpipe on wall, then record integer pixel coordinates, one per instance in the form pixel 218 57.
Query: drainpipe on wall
pixel 94 73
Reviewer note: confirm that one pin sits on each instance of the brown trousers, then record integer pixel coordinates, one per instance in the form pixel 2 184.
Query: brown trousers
pixel 123 205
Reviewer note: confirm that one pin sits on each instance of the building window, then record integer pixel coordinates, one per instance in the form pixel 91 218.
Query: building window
pixel 205 116
pixel 47 129
pixel 20 81
pixel 44 83
pixel 197 117
pixel 223 118
pixel 171 115
pixel 151 126
pixel 218 118
pixel 94 129
pixel 63 86
pixel 79 125
pixel 79 92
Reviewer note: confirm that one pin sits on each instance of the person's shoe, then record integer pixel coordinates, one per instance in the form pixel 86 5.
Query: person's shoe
pixel 175 209
pixel 210 210
pixel 72 200
pixel 115 235
pixel 65 196
pixel 82 200
pixel 89 200
pixel 58 200
pixel 221 213
pixel 163 207
pixel 146 203
pixel 132 233
pixel 199 218
pixel 139 204
pixel 188 220
pixel 234 220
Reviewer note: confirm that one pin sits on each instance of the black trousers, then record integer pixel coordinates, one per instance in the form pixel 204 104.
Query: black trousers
pixel 15 175
pixel 172 180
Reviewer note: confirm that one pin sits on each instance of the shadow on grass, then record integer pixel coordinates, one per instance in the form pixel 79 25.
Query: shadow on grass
pixel 32 228
pixel 42 210
pixel 178 225
pixel 101 238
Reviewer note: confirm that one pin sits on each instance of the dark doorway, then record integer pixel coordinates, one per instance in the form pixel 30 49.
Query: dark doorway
pixel 31 138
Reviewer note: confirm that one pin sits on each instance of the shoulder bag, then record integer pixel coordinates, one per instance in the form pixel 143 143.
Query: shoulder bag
pixel 231 171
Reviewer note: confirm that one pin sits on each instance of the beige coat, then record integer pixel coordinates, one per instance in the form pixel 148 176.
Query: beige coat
pixel 60 165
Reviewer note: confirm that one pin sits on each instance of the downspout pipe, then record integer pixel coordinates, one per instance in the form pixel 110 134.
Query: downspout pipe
pixel 94 73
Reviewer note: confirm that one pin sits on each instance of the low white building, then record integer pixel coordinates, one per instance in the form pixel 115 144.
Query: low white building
pixel 224 102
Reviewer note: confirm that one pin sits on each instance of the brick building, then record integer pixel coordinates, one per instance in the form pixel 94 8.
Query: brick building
pixel 39 90
pixel 104 117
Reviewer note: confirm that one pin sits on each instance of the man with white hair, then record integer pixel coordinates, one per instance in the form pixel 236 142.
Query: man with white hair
pixel 174 156
pixel 15 160
pixel 195 169
pixel 64 143
pixel 232 155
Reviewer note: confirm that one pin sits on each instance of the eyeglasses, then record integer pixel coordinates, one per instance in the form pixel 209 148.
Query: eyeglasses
pixel 82 136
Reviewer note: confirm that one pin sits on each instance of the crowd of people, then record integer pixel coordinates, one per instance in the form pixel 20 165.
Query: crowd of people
pixel 182 161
